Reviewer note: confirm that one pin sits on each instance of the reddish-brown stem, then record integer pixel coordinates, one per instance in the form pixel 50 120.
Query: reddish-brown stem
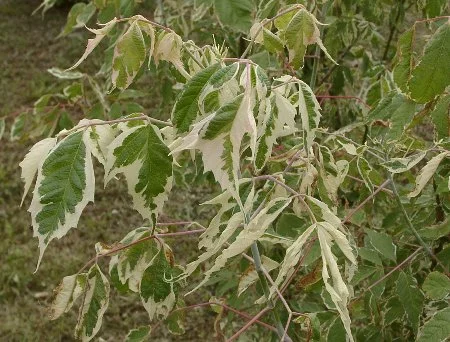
pixel 248 325
pixel 229 308
pixel 363 203
pixel 396 268
pixel 122 247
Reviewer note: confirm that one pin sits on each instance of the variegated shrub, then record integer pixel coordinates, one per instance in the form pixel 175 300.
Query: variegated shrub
pixel 285 204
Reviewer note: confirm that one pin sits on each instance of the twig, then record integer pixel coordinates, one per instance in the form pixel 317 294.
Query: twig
pixel 226 307
pixel 145 20
pixel 411 226
pixel 109 122
pixel 122 247
pixel 388 191
pixel 248 325
pixel 396 268
pixel 363 203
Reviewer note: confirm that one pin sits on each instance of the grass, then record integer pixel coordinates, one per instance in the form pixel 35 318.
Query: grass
pixel 28 48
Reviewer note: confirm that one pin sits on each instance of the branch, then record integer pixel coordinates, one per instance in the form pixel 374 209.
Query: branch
pixel 411 226
pixel 109 122
pixel 122 247
pixel 248 325
pixel 363 203
pixel 226 307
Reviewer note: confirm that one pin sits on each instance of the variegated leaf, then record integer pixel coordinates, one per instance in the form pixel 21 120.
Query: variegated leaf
pixel 94 305
pixel 65 184
pixel 141 155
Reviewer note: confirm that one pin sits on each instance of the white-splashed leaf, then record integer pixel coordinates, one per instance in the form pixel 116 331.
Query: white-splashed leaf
pixel 427 172
pixel 141 155
pixel 129 55
pixel 215 246
pixel 168 48
pixel 141 334
pixel 292 257
pixel 67 292
pixel 93 42
pixel 219 137
pixel 278 121
pixel 436 285
pixel 64 186
pixel 94 305
pixel 186 108
pixel 157 287
pixel 251 233
pixel 133 261
pixel 32 160
pixel 336 288
pixel 399 165
pixel 436 329
pixel 250 276
pixel 100 137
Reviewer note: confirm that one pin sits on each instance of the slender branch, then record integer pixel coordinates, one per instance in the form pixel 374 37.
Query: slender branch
pixel 358 99
pixel 238 60
pixel 411 226
pixel 229 308
pixel 388 191
pixel 248 325
pixel 110 122
pixel 363 203
pixel 145 20
pixel 432 19
pixel 122 247
pixel 396 268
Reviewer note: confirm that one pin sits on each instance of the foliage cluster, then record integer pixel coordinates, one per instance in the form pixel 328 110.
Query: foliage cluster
pixel 330 158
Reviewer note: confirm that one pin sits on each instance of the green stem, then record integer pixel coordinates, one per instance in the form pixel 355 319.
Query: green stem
pixel 411 226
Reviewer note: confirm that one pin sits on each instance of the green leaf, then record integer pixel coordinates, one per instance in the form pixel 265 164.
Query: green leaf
pixel 174 322
pixel 64 186
pixel 436 231
pixel 272 42
pixel 129 55
pixel 141 155
pixel 398 110
pixel 235 14
pixel 78 16
pixel 383 244
pixel 18 126
pixel 157 287
pixel 432 75
pixel 411 298
pixel 94 305
pixel 402 69
pixel 436 285
pixel 133 261
pixel 436 329
pixel 300 32
pixel 141 334
pixel 399 165
pixel 441 117
pixel 186 108
pixel 2 127
pixel 223 119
